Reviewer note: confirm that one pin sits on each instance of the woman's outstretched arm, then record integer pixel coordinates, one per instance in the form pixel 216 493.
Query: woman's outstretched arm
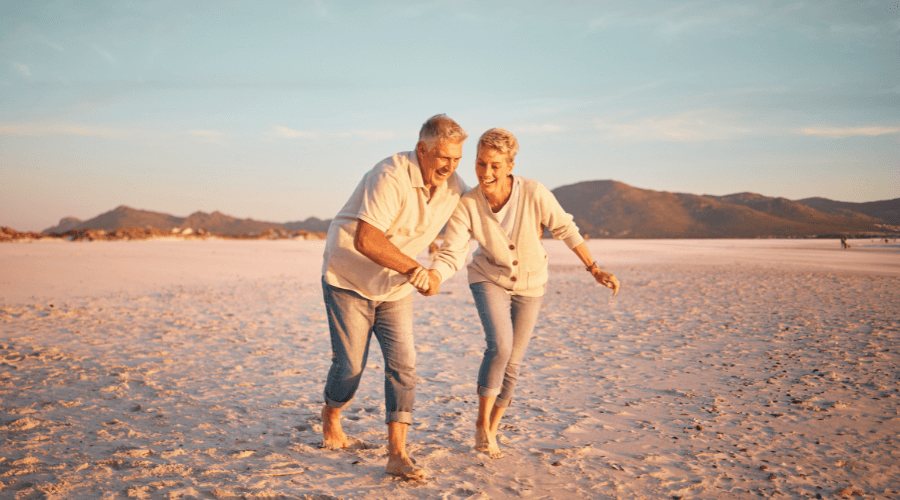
pixel 604 278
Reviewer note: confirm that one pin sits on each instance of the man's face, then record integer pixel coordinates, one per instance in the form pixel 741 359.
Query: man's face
pixel 440 162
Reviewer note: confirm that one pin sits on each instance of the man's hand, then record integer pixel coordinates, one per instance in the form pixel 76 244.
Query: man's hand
pixel 434 284
pixel 605 279
pixel 427 283
pixel 419 279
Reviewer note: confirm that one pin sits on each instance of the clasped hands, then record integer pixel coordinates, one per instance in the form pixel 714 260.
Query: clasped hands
pixel 427 282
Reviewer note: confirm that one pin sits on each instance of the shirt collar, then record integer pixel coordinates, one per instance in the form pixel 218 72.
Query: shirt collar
pixel 415 171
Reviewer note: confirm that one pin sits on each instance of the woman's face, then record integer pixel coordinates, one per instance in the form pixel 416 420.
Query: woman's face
pixel 492 168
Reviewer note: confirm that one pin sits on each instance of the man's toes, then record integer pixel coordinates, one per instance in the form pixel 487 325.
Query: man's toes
pixel 405 470
pixel 332 445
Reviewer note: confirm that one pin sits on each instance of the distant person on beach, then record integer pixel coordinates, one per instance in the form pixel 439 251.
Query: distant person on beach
pixel 370 271
pixel 508 272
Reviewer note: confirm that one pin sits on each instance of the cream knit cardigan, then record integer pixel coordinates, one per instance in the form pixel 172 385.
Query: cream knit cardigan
pixel 517 263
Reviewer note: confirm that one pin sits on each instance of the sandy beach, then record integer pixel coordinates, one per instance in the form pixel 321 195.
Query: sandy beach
pixel 194 370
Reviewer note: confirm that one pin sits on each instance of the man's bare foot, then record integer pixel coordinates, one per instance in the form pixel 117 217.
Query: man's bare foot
pixel 335 438
pixel 482 441
pixel 485 441
pixel 402 466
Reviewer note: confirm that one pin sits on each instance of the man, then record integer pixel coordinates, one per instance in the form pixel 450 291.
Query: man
pixel 370 272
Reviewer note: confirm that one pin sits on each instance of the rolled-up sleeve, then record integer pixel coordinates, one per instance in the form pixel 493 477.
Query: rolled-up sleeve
pixel 382 201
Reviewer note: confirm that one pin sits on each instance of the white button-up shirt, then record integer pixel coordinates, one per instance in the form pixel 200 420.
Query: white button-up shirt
pixel 393 198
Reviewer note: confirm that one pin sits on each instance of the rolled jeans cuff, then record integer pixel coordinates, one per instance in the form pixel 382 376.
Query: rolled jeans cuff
pixel 336 404
pixel 403 417
pixel 488 393
pixel 502 403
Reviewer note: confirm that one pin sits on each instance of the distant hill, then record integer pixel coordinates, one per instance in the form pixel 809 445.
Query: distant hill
pixel 888 210
pixel 607 209
pixel 65 224
pixel 617 210
pixel 311 224
pixel 215 223
pixel 120 218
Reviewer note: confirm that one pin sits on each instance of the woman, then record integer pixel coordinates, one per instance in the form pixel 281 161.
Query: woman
pixel 508 272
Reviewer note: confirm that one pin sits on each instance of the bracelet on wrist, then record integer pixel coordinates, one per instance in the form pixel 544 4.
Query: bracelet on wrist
pixel 593 265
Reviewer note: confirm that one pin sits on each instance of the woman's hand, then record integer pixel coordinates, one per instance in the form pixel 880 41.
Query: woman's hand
pixel 605 279
pixel 419 279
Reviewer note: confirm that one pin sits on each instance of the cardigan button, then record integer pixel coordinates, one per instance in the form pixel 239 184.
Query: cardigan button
pixel 515 263
pixel 512 247
pixel 513 278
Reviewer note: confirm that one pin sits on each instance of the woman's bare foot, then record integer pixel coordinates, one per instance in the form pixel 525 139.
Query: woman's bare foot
pixel 486 441
pixel 402 466
pixel 335 438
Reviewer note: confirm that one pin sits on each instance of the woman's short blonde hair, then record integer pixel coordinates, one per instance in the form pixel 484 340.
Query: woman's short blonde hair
pixel 501 140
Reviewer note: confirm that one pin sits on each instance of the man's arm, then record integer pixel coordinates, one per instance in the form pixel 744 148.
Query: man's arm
pixel 371 242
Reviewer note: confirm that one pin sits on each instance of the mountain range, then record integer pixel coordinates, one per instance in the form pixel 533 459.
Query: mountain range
pixel 605 208
pixel 216 223
pixel 617 210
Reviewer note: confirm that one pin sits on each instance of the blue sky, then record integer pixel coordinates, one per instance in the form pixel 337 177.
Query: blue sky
pixel 274 110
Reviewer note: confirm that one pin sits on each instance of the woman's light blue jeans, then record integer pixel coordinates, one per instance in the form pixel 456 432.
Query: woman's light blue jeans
pixel 508 321
pixel 352 319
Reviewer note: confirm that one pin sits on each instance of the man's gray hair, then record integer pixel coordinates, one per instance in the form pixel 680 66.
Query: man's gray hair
pixel 501 140
pixel 441 128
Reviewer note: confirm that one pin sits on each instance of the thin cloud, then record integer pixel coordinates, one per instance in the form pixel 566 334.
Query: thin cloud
pixel 290 133
pixel 23 69
pixel 684 19
pixel 695 126
pixel 321 9
pixel 842 133
pixel 206 133
pixel 212 136
pixel 49 43
pixel 859 21
pixel 368 134
pixel 280 131
pixel 546 128
pixel 853 30
pixel 39 130
pixel 104 53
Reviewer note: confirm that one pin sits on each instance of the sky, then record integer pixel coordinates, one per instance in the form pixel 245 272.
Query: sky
pixel 274 110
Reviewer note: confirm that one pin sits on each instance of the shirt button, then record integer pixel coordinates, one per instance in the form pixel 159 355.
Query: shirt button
pixel 513 278
pixel 515 263
pixel 512 247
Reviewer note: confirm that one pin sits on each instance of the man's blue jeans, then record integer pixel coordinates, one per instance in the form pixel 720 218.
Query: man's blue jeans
pixel 508 321
pixel 352 320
